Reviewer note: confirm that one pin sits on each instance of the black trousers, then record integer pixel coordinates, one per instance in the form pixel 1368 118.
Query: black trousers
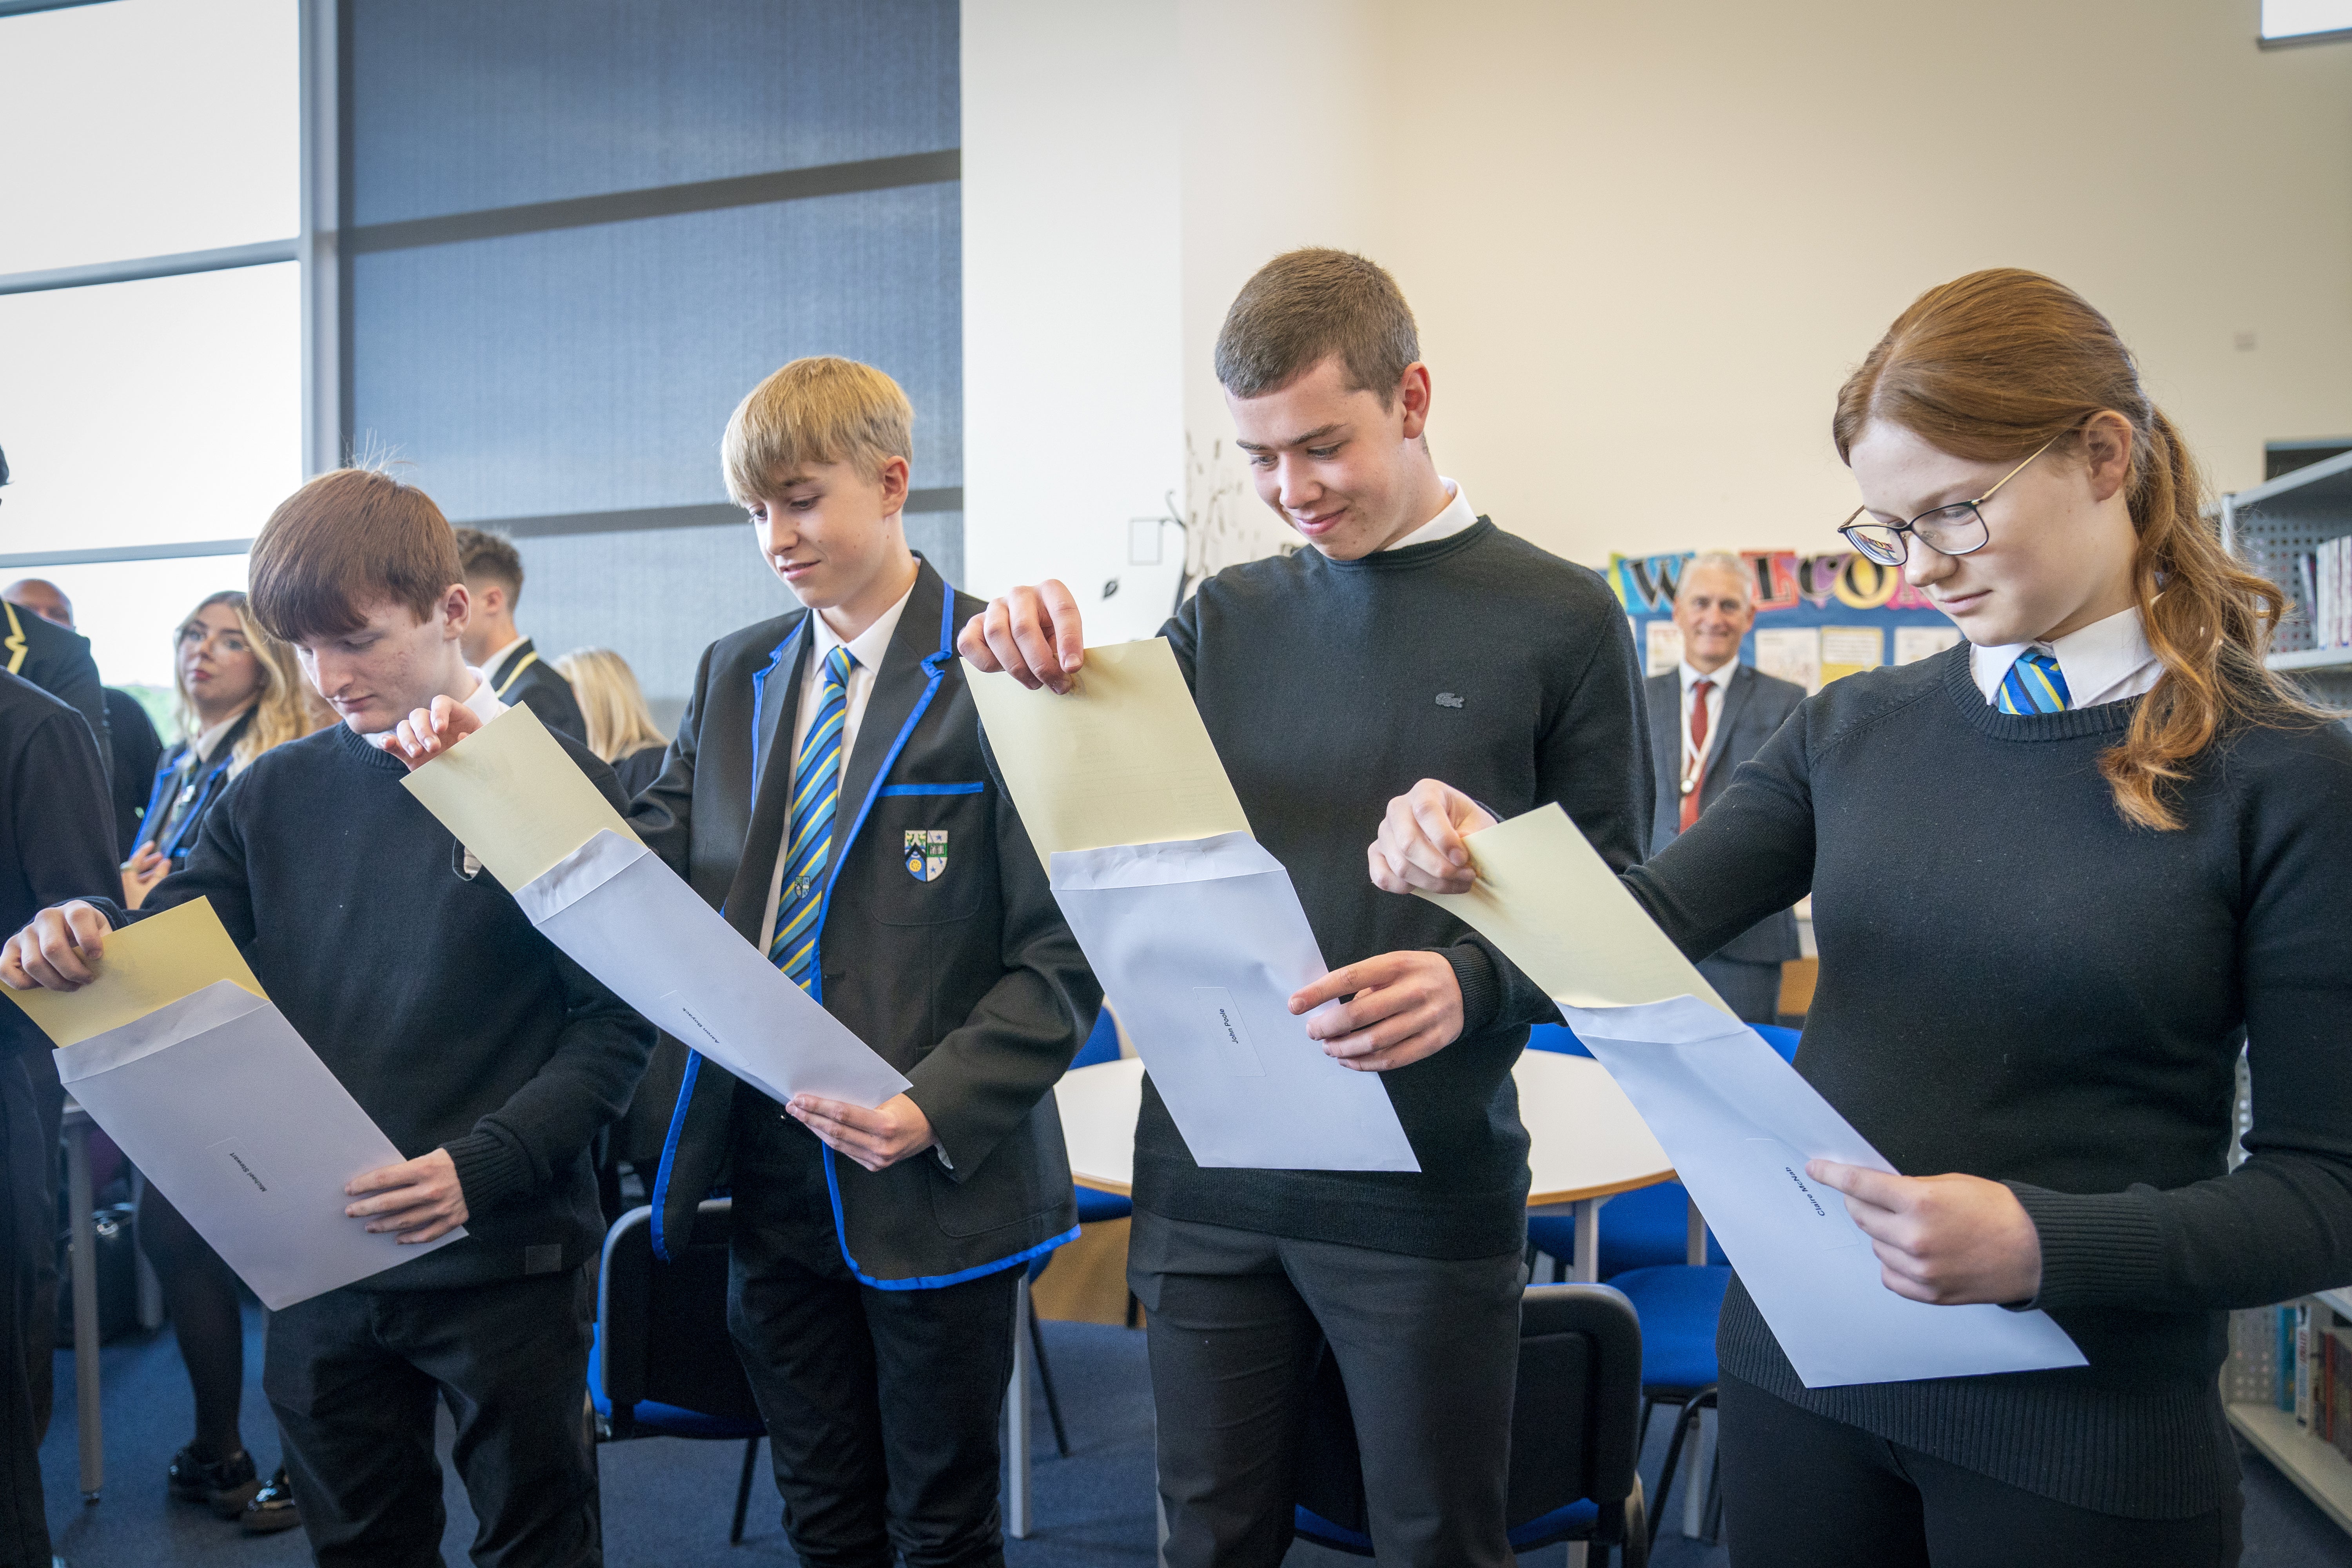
pixel 1800 1490
pixel 1429 1352
pixel 1752 991
pixel 882 1405
pixel 27 1231
pixel 352 1376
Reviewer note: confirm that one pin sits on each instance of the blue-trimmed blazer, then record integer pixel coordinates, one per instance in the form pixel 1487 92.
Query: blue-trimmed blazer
pixel 964 976
pixel 201 790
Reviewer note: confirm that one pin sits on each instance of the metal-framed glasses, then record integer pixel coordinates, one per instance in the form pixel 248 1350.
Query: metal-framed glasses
pixel 1956 529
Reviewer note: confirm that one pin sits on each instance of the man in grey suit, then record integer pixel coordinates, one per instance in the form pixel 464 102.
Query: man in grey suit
pixel 1714 713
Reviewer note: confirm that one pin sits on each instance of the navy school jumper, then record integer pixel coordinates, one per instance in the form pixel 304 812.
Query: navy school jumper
pixel 965 979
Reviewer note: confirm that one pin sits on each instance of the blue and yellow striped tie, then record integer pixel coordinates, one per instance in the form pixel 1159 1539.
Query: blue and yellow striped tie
pixel 817 784
pixel 2034 685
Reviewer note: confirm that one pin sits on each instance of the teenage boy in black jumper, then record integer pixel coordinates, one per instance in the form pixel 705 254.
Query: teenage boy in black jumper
pixel 1413 629
pixel 487 1058
pixel 828 791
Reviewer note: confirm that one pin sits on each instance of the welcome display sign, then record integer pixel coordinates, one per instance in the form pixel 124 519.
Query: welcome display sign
pixel 1818 617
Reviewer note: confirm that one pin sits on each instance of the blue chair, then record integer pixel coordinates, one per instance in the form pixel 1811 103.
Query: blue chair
pixel 695 1386
pixel 1574 1444
pixel 1678 1305
pixel 1649 1226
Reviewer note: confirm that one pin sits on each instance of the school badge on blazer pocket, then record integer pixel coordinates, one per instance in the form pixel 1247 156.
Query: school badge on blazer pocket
pixel 927 853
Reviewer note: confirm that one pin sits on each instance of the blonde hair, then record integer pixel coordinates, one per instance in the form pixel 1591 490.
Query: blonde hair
pixel 282 713
pixel 1996 366
pixel 816 410
pixel 612 703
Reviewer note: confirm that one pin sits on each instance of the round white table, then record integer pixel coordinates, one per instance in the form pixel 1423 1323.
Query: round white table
pixel 1585 1143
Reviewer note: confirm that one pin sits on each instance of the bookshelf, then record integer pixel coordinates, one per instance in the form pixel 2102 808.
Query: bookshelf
pixel 2316 1467
pixel 2271 527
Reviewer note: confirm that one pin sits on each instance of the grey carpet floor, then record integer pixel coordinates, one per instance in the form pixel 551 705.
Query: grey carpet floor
pixel 666 1500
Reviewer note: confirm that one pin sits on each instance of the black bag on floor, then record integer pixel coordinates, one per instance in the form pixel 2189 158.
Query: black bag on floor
pixel 118 1277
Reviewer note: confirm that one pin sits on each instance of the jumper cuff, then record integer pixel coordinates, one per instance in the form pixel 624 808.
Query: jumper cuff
pixel 2097 1249
pixel 1482 988
pixel 490 1170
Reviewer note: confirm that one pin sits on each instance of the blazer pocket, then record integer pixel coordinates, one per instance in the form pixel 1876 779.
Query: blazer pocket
pixel 1013 1187
pixel 939 853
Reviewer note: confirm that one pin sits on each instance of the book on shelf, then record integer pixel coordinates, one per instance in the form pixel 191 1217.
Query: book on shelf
pixel 2296 1358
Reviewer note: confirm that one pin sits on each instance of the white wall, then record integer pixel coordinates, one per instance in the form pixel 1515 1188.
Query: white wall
pixel 1073 387
pixel 1645 243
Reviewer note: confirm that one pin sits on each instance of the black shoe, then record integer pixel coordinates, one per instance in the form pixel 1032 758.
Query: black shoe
pixel 272 1508
pixel 224 1485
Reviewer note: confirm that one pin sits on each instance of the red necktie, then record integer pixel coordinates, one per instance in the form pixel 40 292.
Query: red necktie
pixel 1696 771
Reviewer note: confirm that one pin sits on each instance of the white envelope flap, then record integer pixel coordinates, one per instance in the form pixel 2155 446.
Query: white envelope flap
pixel 222 1001
pixel 603 858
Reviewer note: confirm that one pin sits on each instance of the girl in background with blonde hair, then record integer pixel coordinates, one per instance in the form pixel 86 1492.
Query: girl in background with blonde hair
pixel 2066 871
pixel 620 726
pixel 240 693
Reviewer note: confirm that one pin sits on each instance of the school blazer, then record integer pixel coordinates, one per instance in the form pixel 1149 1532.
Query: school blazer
pixel 1753 706
pixel 939 944
pixel 203 789
pixel 527 680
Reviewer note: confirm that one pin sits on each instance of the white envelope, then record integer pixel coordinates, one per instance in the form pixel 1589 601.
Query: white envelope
pixel 237 1122
pixel 628 920
pixel 1739 1124
pixel 1202 941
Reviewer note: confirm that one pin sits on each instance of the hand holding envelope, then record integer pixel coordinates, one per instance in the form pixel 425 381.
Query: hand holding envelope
pixel 1740 1124
pixel 513 797
pixel 1189 922
pixel 175 1052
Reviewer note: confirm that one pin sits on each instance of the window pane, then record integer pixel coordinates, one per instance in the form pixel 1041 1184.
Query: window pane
pixel 2295 19
pixel 159 411
pixel 593 369
pixel 585 96
pixel 129 609
pixel 145 128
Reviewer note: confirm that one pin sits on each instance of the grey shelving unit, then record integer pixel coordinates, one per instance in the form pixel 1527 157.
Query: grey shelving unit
pixel 2270 526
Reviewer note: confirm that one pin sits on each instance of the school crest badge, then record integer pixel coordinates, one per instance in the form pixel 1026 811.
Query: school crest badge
pixel 927 854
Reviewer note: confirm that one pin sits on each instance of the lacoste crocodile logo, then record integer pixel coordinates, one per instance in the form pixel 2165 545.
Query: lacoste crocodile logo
pixel 1447 699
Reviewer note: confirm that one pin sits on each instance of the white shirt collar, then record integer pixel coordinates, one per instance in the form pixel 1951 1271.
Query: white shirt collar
pixel 209 740
pixel 1722 678
pixel 1456 516
pixel 867 646
pixel 490 665
pixel 2108 662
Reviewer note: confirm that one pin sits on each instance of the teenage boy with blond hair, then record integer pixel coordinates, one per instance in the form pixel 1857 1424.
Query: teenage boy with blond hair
pixel 829 793
pixel 1413 631
pixel 488 1058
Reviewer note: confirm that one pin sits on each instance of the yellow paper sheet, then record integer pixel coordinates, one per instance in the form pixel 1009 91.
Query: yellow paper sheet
pixel 1122 759
pixel 513 796
pixel 148 964
pixel 1548 901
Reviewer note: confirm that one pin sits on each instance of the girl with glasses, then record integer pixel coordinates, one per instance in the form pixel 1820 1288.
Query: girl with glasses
pixel 2065 870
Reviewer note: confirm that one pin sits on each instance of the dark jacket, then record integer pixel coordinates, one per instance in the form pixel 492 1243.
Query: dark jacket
pixel 59 662
pixel 637 769
pixel 201 787
pixel 1754 705
pixel 527 678
pixel 137 749
pixel 56 836
pixel 968 982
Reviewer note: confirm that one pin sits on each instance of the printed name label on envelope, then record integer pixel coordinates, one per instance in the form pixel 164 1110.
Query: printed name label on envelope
pixel 1821 1211
pixel 237 1169
pixel 1235 1047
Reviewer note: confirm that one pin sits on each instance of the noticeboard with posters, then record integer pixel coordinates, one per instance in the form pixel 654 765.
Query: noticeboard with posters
pixel 1818 617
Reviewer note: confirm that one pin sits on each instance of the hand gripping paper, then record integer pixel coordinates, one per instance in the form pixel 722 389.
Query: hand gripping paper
pixel 1738 1121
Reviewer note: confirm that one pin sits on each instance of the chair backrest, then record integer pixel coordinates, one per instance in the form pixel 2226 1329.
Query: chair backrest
pixel 1102 1045
pixel 662 1327
pixel 1573 1420
pixel 1783 1040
